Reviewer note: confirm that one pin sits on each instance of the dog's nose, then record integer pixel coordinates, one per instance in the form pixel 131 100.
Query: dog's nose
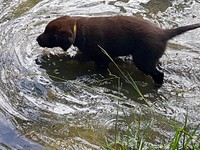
pixel 40 41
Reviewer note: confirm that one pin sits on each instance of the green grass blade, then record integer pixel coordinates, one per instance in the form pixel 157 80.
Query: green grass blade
pixel 192 135
pixel 129 78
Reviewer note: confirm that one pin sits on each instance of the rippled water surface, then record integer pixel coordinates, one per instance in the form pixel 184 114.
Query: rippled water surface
pixel 50 102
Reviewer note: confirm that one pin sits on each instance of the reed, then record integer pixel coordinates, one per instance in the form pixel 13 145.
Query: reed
pixel 126 76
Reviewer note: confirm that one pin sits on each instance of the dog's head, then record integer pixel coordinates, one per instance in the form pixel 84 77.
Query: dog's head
pixel 58 33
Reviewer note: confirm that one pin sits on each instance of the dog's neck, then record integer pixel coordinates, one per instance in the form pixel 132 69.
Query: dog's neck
pixel 75 31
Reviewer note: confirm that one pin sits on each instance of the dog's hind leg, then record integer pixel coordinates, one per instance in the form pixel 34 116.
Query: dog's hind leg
pixel 146 62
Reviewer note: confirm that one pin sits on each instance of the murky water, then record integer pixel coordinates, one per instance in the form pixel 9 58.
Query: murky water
pixel 54 103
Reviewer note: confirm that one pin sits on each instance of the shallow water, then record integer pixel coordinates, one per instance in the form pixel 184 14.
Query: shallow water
pixel 54 103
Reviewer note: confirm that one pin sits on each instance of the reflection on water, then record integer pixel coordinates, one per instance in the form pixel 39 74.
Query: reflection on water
pixel 56 102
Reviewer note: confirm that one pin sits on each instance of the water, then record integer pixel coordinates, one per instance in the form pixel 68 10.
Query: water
pixel 52 103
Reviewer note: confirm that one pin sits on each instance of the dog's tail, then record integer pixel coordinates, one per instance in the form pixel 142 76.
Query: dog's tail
pixel 170 33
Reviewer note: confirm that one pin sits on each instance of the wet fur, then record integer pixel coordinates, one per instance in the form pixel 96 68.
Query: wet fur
pixel 118 35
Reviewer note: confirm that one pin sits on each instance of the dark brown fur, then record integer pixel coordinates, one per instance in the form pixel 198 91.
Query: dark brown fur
pixel 118 35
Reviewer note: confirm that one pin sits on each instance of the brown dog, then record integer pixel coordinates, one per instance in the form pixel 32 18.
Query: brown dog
pixel 118 35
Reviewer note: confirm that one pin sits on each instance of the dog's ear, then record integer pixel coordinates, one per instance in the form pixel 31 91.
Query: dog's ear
pixel 67 33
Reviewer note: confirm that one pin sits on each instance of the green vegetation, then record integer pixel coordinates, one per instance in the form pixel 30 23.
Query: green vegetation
pixel 127 77
pixel 132 139
pixel 184 139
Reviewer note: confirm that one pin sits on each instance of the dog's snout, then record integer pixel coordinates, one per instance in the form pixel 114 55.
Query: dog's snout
pixel 40 40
